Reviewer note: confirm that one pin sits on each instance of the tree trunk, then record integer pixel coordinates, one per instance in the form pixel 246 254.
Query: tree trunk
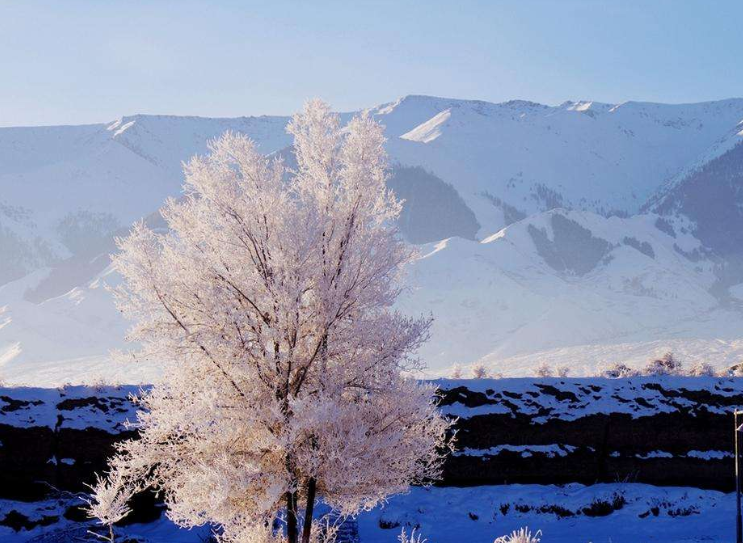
pixel 307 528
pixel 292 534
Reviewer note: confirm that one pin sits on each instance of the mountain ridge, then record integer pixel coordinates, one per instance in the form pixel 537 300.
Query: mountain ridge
pixel 555 213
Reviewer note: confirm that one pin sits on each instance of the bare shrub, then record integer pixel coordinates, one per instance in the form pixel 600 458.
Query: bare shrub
pixel 618 371
pixel 479 371
pixel 412 538
pixel 665 365
pixel 701 369
pixel 523 535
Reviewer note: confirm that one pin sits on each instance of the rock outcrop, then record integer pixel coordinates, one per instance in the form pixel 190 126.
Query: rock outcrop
pixel 664 430
pixel 657 430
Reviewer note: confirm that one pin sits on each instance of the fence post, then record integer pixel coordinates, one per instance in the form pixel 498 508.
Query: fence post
pixel 738 521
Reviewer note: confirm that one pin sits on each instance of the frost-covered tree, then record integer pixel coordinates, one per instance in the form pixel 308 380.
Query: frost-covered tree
pixel 269 301
pixel 522 535
pixel 667 364
pixel 543 370
pixel 413 537
pixel 618 370
pixel 110 502
pixel 456 372
pixel 701 369
pixel 479 371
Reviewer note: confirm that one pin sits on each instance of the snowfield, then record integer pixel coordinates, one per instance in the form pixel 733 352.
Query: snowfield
pixel 503 300
pixel 604 513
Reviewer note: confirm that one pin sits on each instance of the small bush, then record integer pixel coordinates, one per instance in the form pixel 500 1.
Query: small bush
pixel 543 370
pixel 683 511
pixel 523 535
pixel 701 369
pixel 557 510
pixel 618 371
pixel 522 507
pixel 602 507
pixel 665 365
pixel 479 371
pixel 412 538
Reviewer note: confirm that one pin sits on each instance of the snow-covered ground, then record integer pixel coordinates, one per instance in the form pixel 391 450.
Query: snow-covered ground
pixel 605 513
pixel 573 398
pixel 563 514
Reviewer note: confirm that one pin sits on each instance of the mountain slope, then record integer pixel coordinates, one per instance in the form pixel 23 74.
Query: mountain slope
pixel 585 155
pixel 522 260
pixel 504 300
pixel 707 200
pixel 504 160
pixel 64 187
pixel 508 300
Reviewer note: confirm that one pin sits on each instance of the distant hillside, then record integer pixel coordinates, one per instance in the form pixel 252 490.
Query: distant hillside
pixel 577 234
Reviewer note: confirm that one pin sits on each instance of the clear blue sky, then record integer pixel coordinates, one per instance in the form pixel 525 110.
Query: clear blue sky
pixel 80 61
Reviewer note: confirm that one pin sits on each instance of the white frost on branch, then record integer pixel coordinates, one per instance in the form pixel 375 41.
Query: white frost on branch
pixel 109 501
pixel 479 371
pixel 270 302
pixel 413 537
pixel 522 535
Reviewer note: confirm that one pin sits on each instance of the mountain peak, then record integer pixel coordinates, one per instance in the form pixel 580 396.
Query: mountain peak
pixel 585 106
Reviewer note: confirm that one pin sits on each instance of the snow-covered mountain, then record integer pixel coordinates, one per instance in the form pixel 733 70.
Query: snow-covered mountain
pixel 517 158
pixel 62 188
pixel 577 234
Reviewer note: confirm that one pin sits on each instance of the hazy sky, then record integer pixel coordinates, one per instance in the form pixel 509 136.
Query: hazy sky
pixel 81 61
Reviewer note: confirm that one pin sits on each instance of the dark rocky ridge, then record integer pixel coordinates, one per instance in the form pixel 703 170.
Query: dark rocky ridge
pixel 58 438
pixel 651 430
pixel 673 431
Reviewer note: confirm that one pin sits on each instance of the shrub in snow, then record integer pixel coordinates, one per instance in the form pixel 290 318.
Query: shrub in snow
pixel 101 384
pixel 618 371
pixel 412 538
pixel 665 365
pixel 729 372
pixel 543 370
pixel 456 371
pixel 701 369
pixel 321 533
pixel 523 535
pixel 562 371
pixel 109 502
pixel 270 301
pixel 479 371
pixel 601 507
